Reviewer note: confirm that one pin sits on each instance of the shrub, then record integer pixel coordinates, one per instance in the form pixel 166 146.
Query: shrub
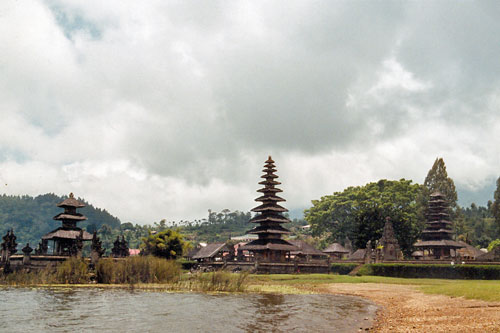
pixel 187 264
pixel 342 268
pixel 166 244
pixel 493 244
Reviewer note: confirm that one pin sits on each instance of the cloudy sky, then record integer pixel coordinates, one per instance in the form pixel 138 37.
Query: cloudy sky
pixel 165 109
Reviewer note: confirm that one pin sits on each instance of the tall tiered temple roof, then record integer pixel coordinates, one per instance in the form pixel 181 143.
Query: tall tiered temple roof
pixel 269 217
pixel 67 236
pixel 70 217
pixel 437 236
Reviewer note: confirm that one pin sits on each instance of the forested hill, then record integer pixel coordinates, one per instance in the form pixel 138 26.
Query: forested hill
pixel 221 226
pixel 32 217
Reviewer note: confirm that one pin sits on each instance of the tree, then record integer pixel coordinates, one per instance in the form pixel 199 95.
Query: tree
pixel 32 217
pixel 360 212
pixel 493 244
pixel 495 206
pixel 167 244
pixel 437 180
pixel 475 225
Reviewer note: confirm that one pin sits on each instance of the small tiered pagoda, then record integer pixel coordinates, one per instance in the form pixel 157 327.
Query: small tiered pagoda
pixel 269 247
pixel 67 239
pixel 437 241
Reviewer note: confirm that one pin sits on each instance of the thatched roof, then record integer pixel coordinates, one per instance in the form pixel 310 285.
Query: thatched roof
pixel 210 250
pixel 335 248
pixel 304 248
pixel 64 216
pixel 439 243
pixel 434 231
pixel 71 202
pixel 469 250
pixel 269 229
pixel 269 208
pixel 245 237
pixel 270 190
pixel 193 251
pixel 269 218
pixel 358 254
pixel 66 234
pixel 269 244
pixel 270 198
pixel 493 255
pixel 269 182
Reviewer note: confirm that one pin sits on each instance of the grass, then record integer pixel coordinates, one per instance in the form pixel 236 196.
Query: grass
pixel 307 283
pixel 470 289
pixel 156 274
pixel 135 272
pixel 138 269
pixel 314 279
pixel 219 281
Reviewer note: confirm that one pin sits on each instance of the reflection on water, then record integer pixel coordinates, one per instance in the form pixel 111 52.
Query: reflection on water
pixel 91 310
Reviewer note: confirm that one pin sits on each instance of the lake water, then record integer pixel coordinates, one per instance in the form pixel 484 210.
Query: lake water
pixel 94 310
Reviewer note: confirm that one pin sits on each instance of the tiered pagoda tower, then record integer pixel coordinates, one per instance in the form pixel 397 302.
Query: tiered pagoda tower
pixel 67 239
pixel 269 247
pixel 437 239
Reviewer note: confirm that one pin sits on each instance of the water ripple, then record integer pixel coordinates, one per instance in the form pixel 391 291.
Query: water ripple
pixel 90 310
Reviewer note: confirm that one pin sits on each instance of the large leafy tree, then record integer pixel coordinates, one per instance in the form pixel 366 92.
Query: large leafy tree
pixel 360 212
pixel 167 244
pixel 495 206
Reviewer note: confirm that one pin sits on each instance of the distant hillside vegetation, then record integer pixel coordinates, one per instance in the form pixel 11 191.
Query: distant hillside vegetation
pixel 31 217
pixel 221 226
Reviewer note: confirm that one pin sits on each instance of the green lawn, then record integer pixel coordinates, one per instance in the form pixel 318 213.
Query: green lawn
pixel 472 289
pixel 487 290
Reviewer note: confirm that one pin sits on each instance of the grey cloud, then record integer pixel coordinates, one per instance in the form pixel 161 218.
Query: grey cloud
pixel 194 94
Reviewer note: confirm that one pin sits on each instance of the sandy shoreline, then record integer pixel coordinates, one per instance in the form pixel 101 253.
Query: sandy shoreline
pixel 405 309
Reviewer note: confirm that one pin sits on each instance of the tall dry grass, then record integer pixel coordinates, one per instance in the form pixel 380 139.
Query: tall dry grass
pixel 220 281
pixel 133 270
pixel 23 278
pixel 71 271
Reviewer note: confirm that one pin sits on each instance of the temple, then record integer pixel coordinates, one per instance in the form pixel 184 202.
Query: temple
pixel 269 247
pixel 390 246
pixel 68 239
pixel 437 242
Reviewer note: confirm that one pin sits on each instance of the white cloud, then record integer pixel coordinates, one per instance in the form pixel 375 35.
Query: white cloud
pixel 166 109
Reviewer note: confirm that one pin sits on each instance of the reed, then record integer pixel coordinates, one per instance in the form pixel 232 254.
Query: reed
pixel 220 281
pixel 134 270
pixel 72 271
pixel 23 278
